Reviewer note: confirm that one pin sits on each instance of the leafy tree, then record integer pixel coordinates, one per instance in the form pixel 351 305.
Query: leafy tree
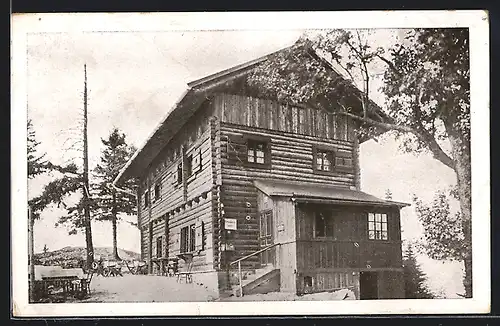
pixel 426 84
pixel 443 237
pixel 415 287
pixel 110 202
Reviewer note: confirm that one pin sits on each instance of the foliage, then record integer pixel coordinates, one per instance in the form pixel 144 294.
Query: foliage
pixel 428 88
pixel 36 162
pixel 443 237
pixel 114 156
pixel 388 194
pixel 415 279
pixel 112 203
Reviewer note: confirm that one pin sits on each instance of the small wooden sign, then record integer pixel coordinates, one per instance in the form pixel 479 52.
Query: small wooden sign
pixel 230 224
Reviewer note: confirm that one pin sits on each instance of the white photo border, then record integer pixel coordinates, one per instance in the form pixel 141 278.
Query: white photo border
pixel 475 20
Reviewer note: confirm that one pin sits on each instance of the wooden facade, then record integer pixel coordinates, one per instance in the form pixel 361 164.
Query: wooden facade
pixel 204 175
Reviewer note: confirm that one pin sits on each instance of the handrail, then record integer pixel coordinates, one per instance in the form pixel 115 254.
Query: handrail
pixel 238 261
pixel 254 253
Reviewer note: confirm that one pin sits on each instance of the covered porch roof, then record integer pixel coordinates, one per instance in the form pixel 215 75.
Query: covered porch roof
pixel 318 193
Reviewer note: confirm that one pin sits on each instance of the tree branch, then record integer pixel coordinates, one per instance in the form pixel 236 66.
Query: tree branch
pixel 429 140
pixel 390 64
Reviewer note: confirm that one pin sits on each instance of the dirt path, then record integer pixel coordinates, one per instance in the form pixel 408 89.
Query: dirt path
pixel 146 288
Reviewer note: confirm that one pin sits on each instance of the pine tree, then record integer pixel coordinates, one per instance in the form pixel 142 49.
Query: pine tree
pixel 36 162
pixel 110 202
pixel 388 194
pixel 414 277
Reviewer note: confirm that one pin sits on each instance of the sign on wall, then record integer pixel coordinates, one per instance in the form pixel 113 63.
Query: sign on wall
pixel 230 224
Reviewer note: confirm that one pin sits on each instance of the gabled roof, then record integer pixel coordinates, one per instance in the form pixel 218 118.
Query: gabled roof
pixel 318 193
pixel 189 102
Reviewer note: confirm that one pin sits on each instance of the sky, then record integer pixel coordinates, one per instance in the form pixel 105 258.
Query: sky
pixel 134 78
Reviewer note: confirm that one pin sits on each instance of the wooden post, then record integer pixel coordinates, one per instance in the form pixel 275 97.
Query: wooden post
pixel 239 278
pixel 31 248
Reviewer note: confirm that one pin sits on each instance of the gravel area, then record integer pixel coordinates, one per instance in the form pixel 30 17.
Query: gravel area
pixel 146 288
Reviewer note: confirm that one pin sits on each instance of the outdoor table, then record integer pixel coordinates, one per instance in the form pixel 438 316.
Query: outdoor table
pixel 71 280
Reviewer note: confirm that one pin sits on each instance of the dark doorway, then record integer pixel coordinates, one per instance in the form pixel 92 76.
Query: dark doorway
pixel 368 288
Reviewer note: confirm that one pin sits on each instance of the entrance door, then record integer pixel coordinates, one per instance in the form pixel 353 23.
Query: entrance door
pixel 266 237
pixel 368 286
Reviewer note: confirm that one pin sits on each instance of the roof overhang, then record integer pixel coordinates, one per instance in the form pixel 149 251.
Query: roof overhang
pixel 321 194
pixel 189 102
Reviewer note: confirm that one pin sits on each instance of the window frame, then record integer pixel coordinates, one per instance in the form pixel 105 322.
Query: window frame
pixel 188 245
pixel 191 169
pixel 376 223
pixel 159 248
pixel 255 141
pixel 189 165
pixel 147 199
pixel 328 224
pixel 157 191
pixel 180 174
pixel 335 156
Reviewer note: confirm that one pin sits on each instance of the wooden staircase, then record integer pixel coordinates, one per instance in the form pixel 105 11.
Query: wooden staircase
pixel 259 281
pixel 262 280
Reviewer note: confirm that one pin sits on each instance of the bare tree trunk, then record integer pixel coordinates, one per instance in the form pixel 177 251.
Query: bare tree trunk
pixel 31 245
pixel 464 194
pixel 87 223
pixel 114 223
pixel 461 154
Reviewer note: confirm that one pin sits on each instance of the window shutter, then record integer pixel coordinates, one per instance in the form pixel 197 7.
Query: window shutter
pixel 199 235
pixel 236 149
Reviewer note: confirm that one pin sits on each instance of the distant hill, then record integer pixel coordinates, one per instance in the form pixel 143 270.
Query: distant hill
pixel 72 256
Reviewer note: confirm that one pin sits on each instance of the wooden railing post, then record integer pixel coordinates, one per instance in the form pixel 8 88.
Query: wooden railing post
pixel 239 277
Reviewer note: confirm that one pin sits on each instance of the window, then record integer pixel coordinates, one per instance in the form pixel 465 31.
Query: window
pixel 159 251
pixel 189 165
pixel 323 160
pixel 377 226
pixel 157 193
pixel 146 199
pixel 188 238
pixel 323 225
pixel 179 173
pixel 256 151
